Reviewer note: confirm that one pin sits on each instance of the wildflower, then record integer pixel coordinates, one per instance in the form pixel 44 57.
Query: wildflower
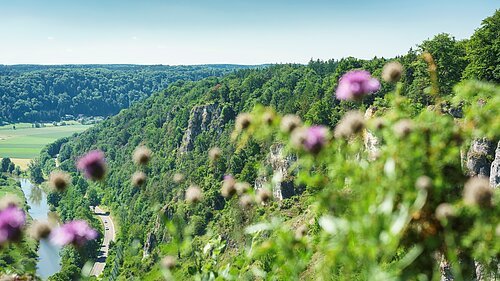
pixel 315 140
pixel 59 180
pixel 12 220
pixel 300 232
pixel 355 84
pixel 142 155
pixel 243 121
pixel 403 127
pixel 228 187
pixel 378 123
pixel 9 200
pixel 246 201
pixel 138 178
pixel 477 191
pixel 40 230
pixel 76 232
pixel 93 165
pixel 445 211
pixel 352 123
pixel 193 194
pixel 268 117
pixel 168 262
pixel 178 177
pixel 263 195
pixel 290 122
pixel 392 72
pixel 241 187
pixel 298 137
pixel 214 153
pixel 423 182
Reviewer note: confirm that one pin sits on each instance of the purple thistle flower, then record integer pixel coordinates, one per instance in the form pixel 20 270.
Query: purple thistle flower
pixel 355 84
pixel 76 232
pixel 93 165
pixel 12 219
pixel 315 138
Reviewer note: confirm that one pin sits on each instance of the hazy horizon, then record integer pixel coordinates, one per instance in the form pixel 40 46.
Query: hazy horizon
pixel 225 32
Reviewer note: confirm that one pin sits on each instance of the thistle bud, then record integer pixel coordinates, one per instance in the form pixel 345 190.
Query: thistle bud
pixel 59 180
pixel 246 201
pixel 243 121
pixel 263 195
pixel 477 191
pixel 142 155
pixel 242 187
pixel 392 72
pixel 214 153
pixel 268 117
pixel 423 182
pixel 290 122
pixel 168 262
pixel 40 230
pixel 228 187
pixel 403 128
pixel 352 123
pixel 178 177
pixel 138 179
pixel 300 232
pixel 193 194
pixel 445 211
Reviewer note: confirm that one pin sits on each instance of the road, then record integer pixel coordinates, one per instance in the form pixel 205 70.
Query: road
pixel 109 235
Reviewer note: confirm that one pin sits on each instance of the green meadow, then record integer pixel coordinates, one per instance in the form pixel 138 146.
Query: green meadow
pixel 25 142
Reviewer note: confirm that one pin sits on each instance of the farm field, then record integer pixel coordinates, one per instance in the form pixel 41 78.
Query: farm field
pixel 25 142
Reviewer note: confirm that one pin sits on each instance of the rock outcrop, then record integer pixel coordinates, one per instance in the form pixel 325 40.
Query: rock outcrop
pixel 478 161
pixel 282 180
pixel 202 118
pixel 495 169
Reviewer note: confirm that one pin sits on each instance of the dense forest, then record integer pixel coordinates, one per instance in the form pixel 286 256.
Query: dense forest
pixel 34 93
pixel 182 123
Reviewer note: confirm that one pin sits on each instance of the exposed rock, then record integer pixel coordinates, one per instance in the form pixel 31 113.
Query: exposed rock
pixel 495 169
pixel 202 118
pixel 372 143
pixel 282 181
pixel 149 245
pixel 479 157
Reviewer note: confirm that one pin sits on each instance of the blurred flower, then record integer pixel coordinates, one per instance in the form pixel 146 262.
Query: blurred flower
pixel 59 180
pixel 138 179
pixel 290 122
pixel 392 71
pixel 193 194
pixel 12 220
pixel 76 232
pixel 298 137
pixel 243 121
pixel 355 84
pixel 423 182
pixel 477 191
pixel 214 153
pixel 9 200
pixel 316 137
pixel 39 230
pixel 352 123
pixel 300 232
pixel 142 155
pixel 445 211
pixel 228 187
pixel 246 201
pixel 93 165
pixel 178 177
pixel 263 195
pixel 168 262
pixel 242 187
pixel 268 117
pixel 403 127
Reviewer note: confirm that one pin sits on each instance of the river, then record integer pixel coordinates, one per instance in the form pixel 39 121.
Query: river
pixel 48 255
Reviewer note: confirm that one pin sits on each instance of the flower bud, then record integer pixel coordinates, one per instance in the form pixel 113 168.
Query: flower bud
pixel 477 191
pixel 290 122
pixel 59 180
pixel 392 72
pixel 142 155
pixel 138 179
pixel 193 194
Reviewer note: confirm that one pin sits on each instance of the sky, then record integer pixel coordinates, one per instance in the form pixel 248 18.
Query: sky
pixel 225 31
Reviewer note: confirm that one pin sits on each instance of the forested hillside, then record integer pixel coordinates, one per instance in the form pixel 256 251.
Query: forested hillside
pixel 182 123
pixel 33 93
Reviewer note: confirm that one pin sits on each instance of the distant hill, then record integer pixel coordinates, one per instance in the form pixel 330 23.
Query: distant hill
pixel 31 93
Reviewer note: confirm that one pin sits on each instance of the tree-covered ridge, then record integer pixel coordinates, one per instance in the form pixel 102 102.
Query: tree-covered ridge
pixel 32 93
pixel 183 122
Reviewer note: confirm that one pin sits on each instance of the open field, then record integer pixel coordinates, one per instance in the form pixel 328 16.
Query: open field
pixel 25 142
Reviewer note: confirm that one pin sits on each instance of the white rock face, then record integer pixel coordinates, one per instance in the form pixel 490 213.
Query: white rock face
pixel 495 169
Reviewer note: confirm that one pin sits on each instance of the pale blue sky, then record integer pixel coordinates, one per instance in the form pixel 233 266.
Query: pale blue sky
pixel 225 31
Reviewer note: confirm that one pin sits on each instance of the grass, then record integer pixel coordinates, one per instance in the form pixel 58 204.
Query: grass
pixel 25 142
pixel 9 186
